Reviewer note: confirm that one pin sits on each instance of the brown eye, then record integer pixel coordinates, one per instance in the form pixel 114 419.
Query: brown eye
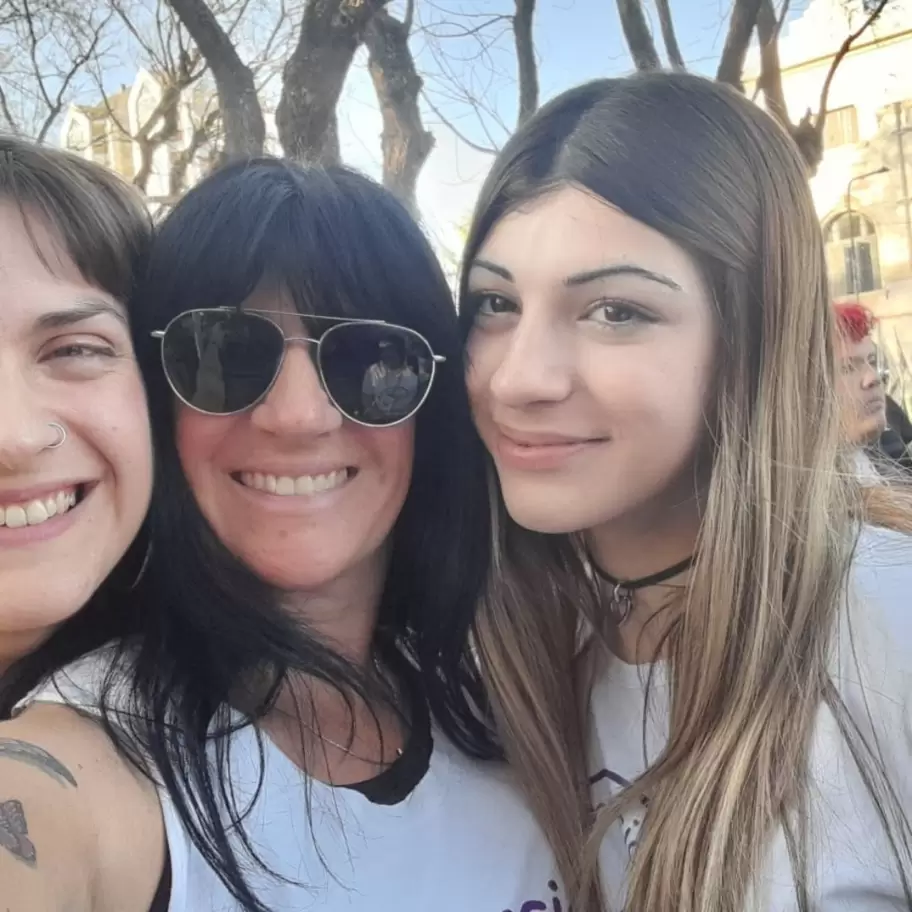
pixel 488 305
pixel 617 314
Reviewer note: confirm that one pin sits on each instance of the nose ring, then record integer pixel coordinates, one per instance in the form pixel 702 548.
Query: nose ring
pixel 61 436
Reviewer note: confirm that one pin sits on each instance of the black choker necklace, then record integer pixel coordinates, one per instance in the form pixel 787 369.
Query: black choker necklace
pixel 621 602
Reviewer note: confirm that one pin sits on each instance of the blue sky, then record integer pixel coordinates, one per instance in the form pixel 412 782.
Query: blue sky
pixel 576 40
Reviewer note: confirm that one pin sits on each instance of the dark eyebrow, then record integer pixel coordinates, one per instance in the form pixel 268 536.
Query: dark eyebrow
pixel 582 278
pixel 84 310
pixel 493 267
pixel 591 275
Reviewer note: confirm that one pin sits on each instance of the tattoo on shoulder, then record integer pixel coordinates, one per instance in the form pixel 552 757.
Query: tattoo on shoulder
pixel 37 757
pixel 14 836
pixel 14 833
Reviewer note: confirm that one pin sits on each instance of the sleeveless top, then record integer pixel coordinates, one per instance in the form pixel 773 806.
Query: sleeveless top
pixel 461 839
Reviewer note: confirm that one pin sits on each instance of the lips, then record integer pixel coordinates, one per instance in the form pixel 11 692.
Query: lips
pixel 540 451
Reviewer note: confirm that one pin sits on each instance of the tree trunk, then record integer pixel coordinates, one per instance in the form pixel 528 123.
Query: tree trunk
pixel 331 33
pixel 527 65
pixel 672 48
pixel 740 28
pixel 242 116
pixel 162 126
pixel 406 144
pixel 770 79
pixel 637 35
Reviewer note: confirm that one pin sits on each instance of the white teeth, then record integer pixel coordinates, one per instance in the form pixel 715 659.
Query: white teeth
pixel 16 517
pixel 37 511
pixel 285 486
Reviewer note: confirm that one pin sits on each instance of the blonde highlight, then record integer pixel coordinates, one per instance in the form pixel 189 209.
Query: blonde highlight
pixel 748 652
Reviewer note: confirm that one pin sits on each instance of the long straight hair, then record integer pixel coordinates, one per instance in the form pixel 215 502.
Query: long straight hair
pixel 102 225
pixel 340 245
pixel 749 653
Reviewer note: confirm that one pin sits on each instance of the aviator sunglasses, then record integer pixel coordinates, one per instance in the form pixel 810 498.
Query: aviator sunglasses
pixel 222 361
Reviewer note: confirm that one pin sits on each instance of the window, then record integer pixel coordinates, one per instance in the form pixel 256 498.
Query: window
pixel 852 254
pixel 840 128
pixel 887 120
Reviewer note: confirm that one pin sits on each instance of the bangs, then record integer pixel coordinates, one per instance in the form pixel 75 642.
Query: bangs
pixel 334 242
pixel 99 223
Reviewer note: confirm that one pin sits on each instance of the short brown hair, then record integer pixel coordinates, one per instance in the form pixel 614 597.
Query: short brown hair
pixel 100 220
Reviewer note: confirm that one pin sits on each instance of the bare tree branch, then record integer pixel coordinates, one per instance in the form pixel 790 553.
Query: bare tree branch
pixel 242 116
pixel 449 124
pixel 637 34
pixel 844 49
pixel 526 63
pixel 734 52
pixel 666 23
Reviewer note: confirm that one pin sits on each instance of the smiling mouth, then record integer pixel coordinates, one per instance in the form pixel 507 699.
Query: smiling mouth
pixel 40 510
pixel 295 486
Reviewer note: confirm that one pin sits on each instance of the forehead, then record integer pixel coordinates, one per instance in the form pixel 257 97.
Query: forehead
pixel 862 350
pixel 569 231
pixel 36 274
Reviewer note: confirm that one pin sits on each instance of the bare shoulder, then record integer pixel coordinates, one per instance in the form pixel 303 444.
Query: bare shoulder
pixel 80 829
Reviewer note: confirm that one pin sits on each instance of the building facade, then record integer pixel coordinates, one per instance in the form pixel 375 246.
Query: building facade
pixel 108 133
pixel 862 187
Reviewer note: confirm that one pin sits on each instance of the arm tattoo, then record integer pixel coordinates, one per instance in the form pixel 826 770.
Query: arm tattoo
pixel 13 825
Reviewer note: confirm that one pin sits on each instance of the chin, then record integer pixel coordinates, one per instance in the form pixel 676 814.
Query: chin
pixel 550 518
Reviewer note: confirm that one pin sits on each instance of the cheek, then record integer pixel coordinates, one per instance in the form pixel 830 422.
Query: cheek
pixel 483 357
pixel 198 439
pixel 117 427
pixel 392 453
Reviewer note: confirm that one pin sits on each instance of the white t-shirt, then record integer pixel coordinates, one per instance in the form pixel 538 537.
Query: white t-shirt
pixel 462 839
pixel 850 865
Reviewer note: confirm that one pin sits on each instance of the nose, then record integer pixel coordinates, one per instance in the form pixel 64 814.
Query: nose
pixel 297 404
pixel 25 423
pixel 537 366
pixel 871 377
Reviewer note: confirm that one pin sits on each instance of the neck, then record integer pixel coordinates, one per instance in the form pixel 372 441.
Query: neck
pixel 362 739
pixel 13 646
pixel 343 613
pixel 637 547
pixel 633 547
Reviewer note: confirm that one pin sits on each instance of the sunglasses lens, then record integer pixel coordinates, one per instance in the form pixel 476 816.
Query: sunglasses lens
pixel 376 374
pixel 221 361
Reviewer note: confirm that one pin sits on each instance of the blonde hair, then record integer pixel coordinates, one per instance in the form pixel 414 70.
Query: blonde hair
pixel 748 654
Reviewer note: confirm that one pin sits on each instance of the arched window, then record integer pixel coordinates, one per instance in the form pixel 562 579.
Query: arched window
pixel 852 259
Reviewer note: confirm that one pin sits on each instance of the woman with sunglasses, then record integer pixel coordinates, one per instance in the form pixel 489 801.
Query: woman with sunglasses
pixel 303 695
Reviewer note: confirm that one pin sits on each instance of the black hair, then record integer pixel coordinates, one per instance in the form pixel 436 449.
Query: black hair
pixel 339 244
pixel 103 227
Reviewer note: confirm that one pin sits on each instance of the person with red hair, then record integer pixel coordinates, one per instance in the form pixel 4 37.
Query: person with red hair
pixel 861 381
